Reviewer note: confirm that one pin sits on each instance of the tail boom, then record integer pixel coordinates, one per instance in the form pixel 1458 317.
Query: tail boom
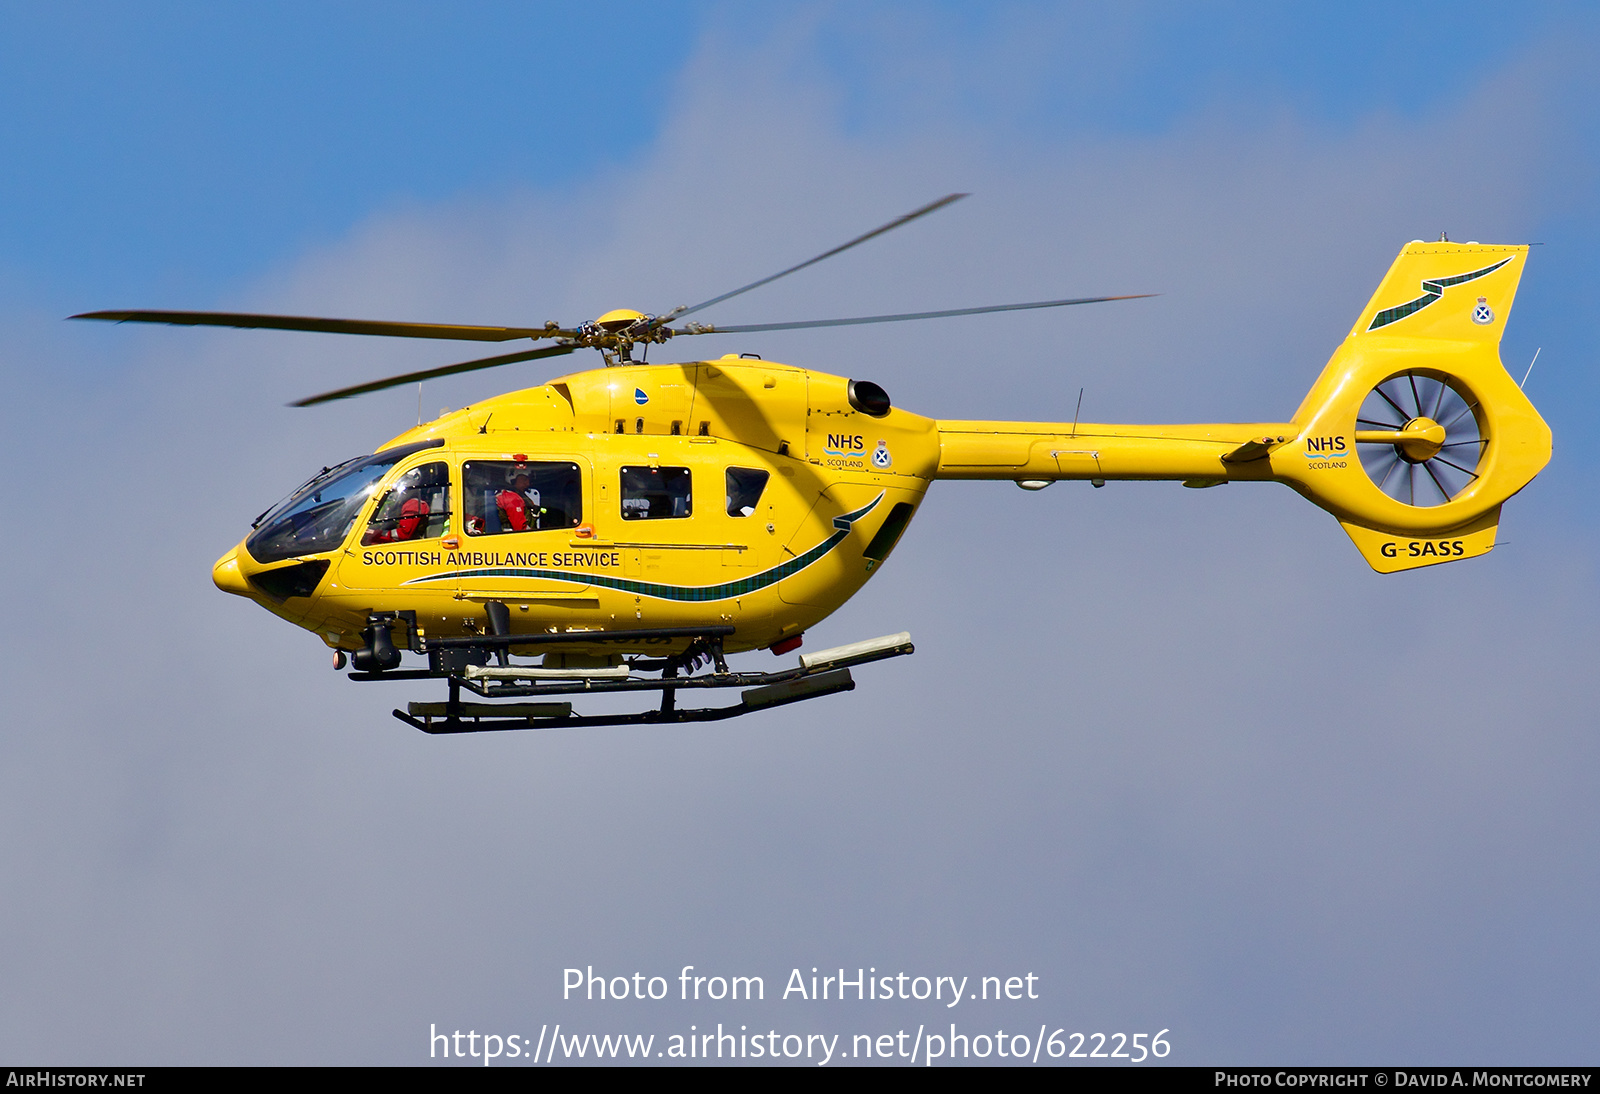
pixel 1051 451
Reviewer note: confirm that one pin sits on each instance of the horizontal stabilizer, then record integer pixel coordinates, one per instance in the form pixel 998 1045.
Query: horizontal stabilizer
pixel 1253 449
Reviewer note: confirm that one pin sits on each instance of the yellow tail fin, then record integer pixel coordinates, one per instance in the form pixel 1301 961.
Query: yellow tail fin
pixel 1456 291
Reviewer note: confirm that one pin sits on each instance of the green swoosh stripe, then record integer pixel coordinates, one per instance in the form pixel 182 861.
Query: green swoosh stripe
pixel 682 593
pixel 1432 289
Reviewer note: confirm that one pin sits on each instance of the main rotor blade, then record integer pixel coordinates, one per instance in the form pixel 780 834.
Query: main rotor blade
pixel 246 321
pixel 430 373
pixel 932 206
pixel 697 328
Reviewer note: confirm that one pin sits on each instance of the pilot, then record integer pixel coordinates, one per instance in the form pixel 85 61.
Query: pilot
pixel 519 503
pixel 409 520
pixel 413 519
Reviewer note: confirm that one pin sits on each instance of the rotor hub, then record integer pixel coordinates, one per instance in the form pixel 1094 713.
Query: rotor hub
pixel 1421 439
pixel 619 319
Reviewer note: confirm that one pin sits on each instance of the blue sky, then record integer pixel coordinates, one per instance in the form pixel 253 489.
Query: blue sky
pixel 1178 752
pixel 198 143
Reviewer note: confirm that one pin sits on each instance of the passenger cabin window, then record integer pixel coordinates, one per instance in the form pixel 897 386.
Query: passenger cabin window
pixel 654 493
pixel 417 506
pixel 504 497
pixel 744 490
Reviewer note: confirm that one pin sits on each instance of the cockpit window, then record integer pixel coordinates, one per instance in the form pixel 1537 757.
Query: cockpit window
pixel 318 516
pixel 417 506
pixel 503 496
pixel 653 493
pixel 744 490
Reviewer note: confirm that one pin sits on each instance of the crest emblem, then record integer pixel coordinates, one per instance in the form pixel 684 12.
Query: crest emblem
pixel 639 396
pixel 1432 290
pixel 1483 314
pixel 881 458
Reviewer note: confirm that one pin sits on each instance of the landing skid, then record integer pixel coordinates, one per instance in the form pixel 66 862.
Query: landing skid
pixel 520 694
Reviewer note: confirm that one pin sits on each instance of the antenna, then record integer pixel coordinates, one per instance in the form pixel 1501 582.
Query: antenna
pixel 419 402
pixel 1075 413
pixel 1529 373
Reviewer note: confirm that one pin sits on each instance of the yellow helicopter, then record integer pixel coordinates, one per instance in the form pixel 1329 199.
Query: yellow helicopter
pixel 631 526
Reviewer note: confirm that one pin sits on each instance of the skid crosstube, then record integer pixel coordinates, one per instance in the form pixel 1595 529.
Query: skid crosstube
pixel 819 674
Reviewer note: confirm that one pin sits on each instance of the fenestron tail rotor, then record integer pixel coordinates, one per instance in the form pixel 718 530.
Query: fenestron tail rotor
pixel 613 334
pixel 1419 438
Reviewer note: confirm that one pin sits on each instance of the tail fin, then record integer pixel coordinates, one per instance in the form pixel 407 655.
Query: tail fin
pixel 1415 434
pixel 1434 302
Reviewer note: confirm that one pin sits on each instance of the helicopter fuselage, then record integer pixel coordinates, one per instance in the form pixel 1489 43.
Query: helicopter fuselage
pixel 735 492
pixel 640 527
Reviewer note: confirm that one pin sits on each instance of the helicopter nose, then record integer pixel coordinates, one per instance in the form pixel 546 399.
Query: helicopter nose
pixel 227 576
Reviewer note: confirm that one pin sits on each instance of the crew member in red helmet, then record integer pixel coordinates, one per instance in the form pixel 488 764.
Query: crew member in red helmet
pixel 519 503
pixel 413 519
pixel 403 515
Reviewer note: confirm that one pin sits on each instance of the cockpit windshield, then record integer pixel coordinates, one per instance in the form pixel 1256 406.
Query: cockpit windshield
pixel 318 516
